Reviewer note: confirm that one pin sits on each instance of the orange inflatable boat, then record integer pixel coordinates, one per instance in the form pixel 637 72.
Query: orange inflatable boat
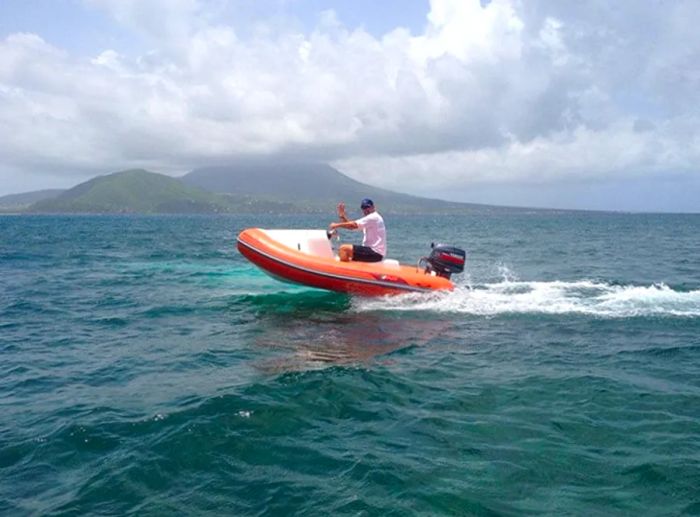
pixel 306 257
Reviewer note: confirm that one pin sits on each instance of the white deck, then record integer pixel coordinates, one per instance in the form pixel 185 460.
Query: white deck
pixel 311 242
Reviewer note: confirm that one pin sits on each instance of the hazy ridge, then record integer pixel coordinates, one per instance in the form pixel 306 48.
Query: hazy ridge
pixel 250 186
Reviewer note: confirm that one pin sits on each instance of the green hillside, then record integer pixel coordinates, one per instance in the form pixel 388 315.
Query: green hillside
pixel 140 191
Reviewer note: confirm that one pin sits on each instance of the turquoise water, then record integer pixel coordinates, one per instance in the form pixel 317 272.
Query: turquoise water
pixel 148 369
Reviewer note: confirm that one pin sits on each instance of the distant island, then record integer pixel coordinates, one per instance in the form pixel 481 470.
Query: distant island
pixel 251 186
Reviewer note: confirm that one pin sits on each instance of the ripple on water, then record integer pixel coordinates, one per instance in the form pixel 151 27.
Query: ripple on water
pixel 148 369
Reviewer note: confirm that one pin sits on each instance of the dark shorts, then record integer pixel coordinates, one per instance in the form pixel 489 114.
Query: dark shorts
pixel 365 254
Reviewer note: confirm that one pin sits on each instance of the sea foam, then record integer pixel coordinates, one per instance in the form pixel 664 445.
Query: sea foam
pixel 586 297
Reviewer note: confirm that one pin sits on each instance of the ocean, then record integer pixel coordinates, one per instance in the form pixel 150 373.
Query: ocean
pixel 148 369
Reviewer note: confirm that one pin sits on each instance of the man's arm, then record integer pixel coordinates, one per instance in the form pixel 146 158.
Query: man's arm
pixel 345 222
pixel 341 213
pixel 349 225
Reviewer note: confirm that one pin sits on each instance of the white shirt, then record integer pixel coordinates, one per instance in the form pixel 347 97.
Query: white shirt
pixel 374 233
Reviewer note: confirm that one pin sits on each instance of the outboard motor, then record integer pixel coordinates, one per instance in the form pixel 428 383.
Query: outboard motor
pixel 444 260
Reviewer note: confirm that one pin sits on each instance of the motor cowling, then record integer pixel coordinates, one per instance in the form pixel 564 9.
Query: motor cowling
pixel 445 260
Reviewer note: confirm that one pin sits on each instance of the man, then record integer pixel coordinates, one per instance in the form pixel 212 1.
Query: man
pixel 373 247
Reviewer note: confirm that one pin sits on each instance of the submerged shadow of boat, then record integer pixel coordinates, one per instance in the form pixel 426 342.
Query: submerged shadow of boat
pixel 346 339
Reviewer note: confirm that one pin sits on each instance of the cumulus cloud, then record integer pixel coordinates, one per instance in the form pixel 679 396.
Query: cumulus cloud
pixel 621 151
pixel 507 91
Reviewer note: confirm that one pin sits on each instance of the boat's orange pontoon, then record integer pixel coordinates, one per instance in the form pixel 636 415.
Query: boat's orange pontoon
pixel 306 257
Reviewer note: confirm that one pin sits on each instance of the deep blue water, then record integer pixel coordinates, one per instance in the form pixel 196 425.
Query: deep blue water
pixel 147 368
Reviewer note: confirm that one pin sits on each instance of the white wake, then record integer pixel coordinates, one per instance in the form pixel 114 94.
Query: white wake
pixel 584 297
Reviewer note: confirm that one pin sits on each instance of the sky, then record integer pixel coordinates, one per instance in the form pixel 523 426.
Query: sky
pixel 562 104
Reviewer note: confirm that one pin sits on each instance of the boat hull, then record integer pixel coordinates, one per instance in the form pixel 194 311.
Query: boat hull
pixel 282 261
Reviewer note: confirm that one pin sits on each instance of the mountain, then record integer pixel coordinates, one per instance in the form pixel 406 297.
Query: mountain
pixel 250 186
pixel 276 179
pixel 17 202
pixel 311 187
pixel 140 191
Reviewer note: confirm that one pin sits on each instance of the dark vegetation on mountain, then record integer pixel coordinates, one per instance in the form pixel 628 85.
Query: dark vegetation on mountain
pixel 139 191
pixel 249 186
pixel 128 191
